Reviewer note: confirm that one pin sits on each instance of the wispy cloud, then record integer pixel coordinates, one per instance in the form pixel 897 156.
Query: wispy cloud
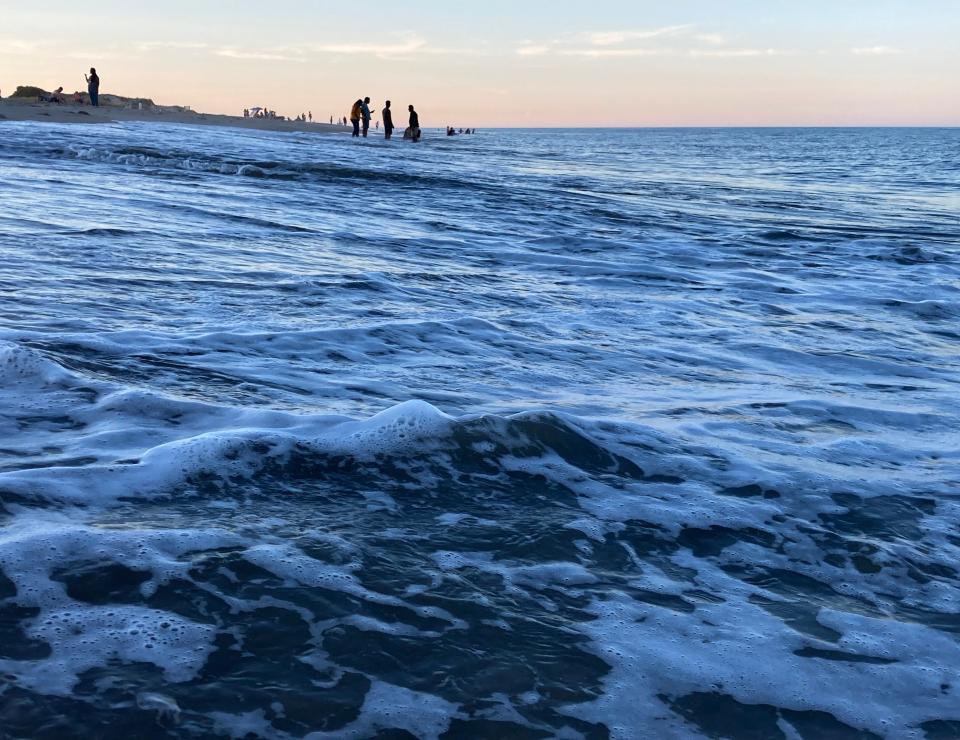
pixel 398 47
pixel 711 38
pixel 96 55
pixel 615 38
pixel 395 47
pixel 403 46
pixel 875 51
pixel 263 56
pixel 18 46
pixel 161 45
pixel 669 41
pixel 533 50
pixel 601 53
pixel 734 53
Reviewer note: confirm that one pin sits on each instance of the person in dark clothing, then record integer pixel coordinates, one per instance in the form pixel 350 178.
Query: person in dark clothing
pixel 387 122
pixel 93 87
pixel 365 115
pixel 414 124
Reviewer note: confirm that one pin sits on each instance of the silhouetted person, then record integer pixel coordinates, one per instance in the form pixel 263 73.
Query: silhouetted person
pixel 387 122
pixel 414 124
pixel 355 113
pixel 93 87
pixel 365 115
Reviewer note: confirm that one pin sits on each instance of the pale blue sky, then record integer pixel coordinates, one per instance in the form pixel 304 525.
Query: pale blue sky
pixel 610 62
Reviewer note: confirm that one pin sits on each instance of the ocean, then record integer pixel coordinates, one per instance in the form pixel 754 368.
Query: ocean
pixel 524 434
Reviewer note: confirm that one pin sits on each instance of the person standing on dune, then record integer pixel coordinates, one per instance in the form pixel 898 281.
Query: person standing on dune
pixel 387 122
pixel 93 87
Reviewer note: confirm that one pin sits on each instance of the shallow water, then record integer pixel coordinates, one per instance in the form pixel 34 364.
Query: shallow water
pixel 515 435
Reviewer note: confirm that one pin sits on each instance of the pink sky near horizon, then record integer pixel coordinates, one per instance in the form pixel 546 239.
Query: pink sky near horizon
pixel 632 64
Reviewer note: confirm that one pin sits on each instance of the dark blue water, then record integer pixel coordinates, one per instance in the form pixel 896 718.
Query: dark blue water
pixel 526 434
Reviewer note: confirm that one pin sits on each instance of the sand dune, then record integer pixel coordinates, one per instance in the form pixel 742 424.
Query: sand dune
pixel 16 109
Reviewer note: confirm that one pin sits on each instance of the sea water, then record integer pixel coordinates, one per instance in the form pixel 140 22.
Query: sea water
pixel 525 434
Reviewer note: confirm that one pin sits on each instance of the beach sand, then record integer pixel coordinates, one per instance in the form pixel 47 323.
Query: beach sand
pixel 19 109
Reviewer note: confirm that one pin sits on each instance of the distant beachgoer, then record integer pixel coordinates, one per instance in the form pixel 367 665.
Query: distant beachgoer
pixel 310 115
pixel 55 97
pixel 365 115
pixel 387 121
pixel 414 124
pixel 93 87
pixel 355 114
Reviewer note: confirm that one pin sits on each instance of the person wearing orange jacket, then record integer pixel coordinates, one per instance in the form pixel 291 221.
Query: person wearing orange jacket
pixel 355 118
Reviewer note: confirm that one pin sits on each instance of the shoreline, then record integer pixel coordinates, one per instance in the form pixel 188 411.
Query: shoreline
pixel 15 109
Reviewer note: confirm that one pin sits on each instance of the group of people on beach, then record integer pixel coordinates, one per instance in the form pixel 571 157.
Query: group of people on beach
pixel 360 113
pixel 360 116
pixel 93 91
pixel 261 113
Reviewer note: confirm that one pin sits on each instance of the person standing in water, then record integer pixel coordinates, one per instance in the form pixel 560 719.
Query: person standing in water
pixel 414 124
pixel 93 87
pixel 365 115
pixel 387 122
pixel 355 118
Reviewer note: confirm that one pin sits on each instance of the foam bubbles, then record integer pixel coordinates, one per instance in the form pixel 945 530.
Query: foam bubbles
pixel 82 635
pixel 390 707
pixel 400 427
pixel 19 365
pixel 85 637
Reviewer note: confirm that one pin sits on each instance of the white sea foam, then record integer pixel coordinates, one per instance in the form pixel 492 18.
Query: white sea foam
pixel 83 636
pixel 388 707
pixel 740 649
pixel 88 637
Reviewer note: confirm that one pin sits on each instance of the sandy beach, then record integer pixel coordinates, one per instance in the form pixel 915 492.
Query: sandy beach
pixel 17 109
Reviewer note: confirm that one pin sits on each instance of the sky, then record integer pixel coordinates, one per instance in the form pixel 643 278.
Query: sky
pixel 507 63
